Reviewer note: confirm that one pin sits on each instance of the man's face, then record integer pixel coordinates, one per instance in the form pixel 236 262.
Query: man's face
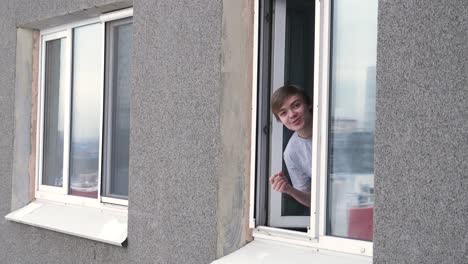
pixel 295 114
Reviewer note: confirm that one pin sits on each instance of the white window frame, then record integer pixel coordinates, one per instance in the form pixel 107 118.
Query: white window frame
pixel 60 194
pixel 40 136
pixel 316 236
pixel 276 154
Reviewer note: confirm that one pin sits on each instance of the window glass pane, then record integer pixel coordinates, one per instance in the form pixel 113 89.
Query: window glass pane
pixel 119 69
pixel 86 110
pixel 352 119
pixel 54 97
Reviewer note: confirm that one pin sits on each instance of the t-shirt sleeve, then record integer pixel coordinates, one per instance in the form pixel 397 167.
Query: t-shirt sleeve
pixel 299 178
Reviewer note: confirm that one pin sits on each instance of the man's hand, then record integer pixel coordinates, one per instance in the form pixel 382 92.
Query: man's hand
pixel 280 183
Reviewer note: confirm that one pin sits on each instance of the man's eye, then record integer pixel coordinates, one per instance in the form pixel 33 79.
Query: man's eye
pixel 282 113
pixel 296 105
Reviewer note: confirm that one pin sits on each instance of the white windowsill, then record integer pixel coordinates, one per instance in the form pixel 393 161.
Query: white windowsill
pixel 99 224
pixel 262 251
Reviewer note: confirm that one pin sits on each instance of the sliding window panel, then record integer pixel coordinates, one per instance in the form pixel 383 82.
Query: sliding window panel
pixel 54 112
pixel 86 110
pixel 118 81
pixel 352 119
pixel 291 63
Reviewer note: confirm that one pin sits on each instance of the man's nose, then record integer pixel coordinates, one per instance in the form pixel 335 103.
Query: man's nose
pixel 292 113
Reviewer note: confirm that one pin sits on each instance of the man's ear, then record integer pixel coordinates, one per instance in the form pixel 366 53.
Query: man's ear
pixel 310 108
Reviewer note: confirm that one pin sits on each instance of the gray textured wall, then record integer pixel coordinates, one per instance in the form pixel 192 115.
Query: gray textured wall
pixel 187 168
pixel 421 151
pixel 23 111
pixel 175 139
pixel 7 92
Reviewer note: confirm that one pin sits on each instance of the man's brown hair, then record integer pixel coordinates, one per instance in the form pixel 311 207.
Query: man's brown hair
pixel 282 93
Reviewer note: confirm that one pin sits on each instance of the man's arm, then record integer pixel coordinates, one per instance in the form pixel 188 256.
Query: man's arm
pixel 281 184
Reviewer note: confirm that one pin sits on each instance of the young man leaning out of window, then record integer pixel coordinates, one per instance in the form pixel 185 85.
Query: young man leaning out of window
pixel 292 107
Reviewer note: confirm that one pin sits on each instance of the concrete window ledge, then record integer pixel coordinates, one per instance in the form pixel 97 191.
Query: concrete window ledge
pixel 261 251
pixel 99 224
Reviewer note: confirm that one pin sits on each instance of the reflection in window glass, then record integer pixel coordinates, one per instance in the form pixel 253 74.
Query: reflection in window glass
pixel 86 110
pixel 352 119
pixel 119 41
pixel 54 96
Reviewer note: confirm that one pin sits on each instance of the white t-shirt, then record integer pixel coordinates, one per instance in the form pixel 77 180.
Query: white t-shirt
pixel 298 159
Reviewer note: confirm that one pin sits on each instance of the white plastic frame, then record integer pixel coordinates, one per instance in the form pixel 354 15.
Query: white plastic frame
pixel 316 236
pixel 253 134
pixel 40 136
pixel 60 194
pixel 276 153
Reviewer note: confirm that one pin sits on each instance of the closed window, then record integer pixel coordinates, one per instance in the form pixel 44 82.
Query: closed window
pixel 85 111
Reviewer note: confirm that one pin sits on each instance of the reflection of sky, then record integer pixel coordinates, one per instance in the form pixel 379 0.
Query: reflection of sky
pixel 87 84
pixel 354 51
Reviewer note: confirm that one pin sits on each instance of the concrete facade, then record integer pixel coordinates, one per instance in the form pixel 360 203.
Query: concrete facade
pixel 421 157
pixel 185 75
pixel 190 131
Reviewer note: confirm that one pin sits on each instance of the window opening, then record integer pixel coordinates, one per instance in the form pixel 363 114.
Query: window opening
pixel 343 189
pixel 85 110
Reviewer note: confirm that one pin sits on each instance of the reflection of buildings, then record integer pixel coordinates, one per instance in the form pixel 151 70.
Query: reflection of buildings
pixel 351 150
pixel 343 125
pixel 84 164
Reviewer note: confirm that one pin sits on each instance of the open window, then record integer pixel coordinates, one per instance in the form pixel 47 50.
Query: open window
pixel 329 49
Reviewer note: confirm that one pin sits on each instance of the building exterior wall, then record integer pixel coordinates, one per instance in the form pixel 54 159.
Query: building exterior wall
pixel 190 132
pixel 421 157
pixel 191 86
pixel 175 150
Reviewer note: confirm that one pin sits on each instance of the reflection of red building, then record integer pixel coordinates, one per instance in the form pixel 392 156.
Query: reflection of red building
pixel 360 222
pixel 89 194
pixel 84 184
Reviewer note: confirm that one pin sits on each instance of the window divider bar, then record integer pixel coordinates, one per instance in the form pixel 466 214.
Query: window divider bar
pixel 324 85
pixel 68 110
pixel 108 113
pixel 101 114
pixel 316 126
pixel 253 124
pixel 40 114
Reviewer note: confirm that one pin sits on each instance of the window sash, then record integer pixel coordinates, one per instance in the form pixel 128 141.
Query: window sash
pixel 86 127
pixel 40 136
pixel 317 236
pixel 277 132
pixel 352 68
pixel 112 113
